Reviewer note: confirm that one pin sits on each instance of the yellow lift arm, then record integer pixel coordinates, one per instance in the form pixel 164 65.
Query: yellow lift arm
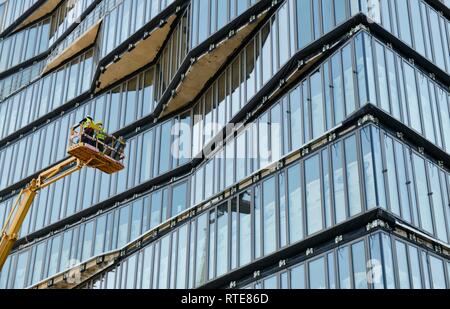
pixel 83 151
pixel 21 206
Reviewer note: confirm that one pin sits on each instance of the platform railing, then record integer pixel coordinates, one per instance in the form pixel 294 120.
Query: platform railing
pixel 112 147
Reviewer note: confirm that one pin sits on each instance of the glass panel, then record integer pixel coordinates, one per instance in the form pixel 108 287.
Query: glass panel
pixel 338 88
pixel 359 265
pixel 317 274
pixel 222 239
pixel 347 67
pixel 317 110
pixel 296 119
pixel 21 270
pixel 402 264
pixel 304 23
pixel 414 261
pixel 413 102
pixel 298 277
pixel 343 256
pixel 388 264
pixel 244 228
pixel 313 195
pixel 382 77
pixel 295 211
pixel 164 263
pixel 269 210
pixel 202 253
pixel 354 197
pixel 405 30
pixel 182 256
pixel 369 177
pixel 438 202
pixel 437 273
pixel 123 226
pixel 422 194
pixel 179 198
pixel 391 175
pixel 338 182
pixel 136 219
pixel 331 271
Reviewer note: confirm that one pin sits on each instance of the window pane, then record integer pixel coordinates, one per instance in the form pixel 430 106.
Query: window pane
pixel 350 104
pixel 21 270
pixel 123 226
pixel 391 176
pixel 369 181
pixel 317 274
pixel 296 119
pixel 354 198
pixel 415 267
pixel 295 204
pixel 338 88
pixel 359 265
pixel 344 268
pixel 298 277
pixel 87 241
pixel 164 263
pixel 179 196
pixel 405 31
pixel 413 103
pixel 304 26
pixel 382 77
pixel 338 182
pixel 222 239
pixel 182 256
pixel 438 202
pixel 317 110
pixel 422 194
pixel 313 195
pixel 402 265
pixel 244 228
pixel 201 254
pixel 269 216
pixel 437 273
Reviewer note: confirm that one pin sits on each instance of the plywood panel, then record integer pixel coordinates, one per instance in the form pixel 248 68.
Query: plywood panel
pixel 82 42
pixel 207 66
pixel 144 53
pixel 43 10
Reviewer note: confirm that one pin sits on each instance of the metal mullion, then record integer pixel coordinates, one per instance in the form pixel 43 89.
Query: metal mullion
pixel 443 188
pixel 345 176
pixel 277 211
pixel 169 260
pixel 414 183
pixel 394 150
pixel 188 255
pixel 322 191
pixel 332 189
pixel 303 198
pixel 430 35
pixel 175 262
pixel 360 160
pixel 252 223
pixel 381 137
pixel 430 196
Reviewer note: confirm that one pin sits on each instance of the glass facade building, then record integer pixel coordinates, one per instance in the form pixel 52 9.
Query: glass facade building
pixel 270 144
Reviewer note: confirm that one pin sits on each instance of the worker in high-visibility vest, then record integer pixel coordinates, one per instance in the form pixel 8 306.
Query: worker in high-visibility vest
pixel 101 135
pixel 87 125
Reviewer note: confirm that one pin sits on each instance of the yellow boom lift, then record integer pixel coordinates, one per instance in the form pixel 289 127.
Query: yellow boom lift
pixel 85 150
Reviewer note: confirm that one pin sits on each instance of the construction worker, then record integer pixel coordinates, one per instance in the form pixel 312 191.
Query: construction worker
pixel 100 135
pixel 87 127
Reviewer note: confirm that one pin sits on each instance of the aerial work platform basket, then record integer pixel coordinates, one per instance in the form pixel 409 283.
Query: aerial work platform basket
pixel 106 155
